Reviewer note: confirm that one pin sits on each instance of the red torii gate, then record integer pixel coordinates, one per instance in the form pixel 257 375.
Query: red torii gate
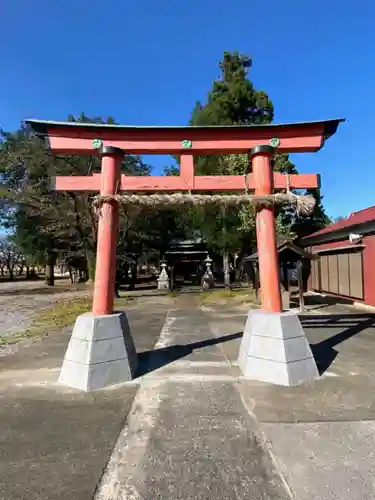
pixel 112 142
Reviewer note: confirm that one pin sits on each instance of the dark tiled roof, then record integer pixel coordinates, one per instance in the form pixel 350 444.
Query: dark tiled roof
pixel 281 247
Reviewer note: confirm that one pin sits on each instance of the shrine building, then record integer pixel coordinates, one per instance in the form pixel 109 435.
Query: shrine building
pixel 346 255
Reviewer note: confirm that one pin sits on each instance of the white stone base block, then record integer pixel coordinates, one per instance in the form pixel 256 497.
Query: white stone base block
pixel 274 349
pixel 100 353
pixel 163 284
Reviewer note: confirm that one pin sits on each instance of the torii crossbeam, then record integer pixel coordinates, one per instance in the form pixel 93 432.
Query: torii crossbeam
pixel 112 142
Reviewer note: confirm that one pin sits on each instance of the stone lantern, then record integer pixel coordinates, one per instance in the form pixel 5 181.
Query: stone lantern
pixel 208 280
pixel 163 280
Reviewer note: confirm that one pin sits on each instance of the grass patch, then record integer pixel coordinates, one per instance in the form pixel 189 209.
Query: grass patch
pixel 61 315
pixel 54 318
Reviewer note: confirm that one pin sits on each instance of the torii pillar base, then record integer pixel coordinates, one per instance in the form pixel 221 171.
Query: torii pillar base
pixel 100 353
pixel 275 349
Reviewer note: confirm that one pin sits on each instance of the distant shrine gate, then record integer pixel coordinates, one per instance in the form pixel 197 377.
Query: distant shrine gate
pixel 112 142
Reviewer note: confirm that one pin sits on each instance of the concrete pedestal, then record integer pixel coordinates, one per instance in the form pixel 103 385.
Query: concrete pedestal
pixel 100 353
pixel 163 284
pixel 274 349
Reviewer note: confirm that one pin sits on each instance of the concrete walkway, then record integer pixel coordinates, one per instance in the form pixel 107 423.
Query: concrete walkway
pixel 321 434
pixel 190 427
pixel 189 436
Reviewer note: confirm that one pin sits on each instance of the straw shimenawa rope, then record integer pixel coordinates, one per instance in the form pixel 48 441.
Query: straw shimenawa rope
pixel 304 203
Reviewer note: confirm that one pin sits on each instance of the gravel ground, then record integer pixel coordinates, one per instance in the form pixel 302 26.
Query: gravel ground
pixel 20 301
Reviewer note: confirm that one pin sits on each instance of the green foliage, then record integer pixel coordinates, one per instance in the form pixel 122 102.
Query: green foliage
pixel 44 221
pixel 28 207
pixel 171 170
pixel 233 100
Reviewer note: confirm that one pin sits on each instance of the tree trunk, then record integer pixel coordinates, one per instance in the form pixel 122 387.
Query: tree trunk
pixel 133 276
pixel 50 264
pixel 91 264
pixel 81 203
pixel 50 277
pixel 300 285
pixel 226 270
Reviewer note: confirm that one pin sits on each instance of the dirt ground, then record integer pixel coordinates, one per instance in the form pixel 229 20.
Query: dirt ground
pixel 20 300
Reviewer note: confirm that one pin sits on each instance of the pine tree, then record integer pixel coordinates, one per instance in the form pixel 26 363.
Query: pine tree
pixel 234 100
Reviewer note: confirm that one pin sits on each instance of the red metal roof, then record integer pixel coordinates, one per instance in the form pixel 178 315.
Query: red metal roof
pixel 360 217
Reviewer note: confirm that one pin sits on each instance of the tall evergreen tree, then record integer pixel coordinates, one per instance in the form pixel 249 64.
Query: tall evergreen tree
pixel 234 100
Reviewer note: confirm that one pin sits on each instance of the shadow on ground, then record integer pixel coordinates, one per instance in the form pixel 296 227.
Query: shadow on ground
pixel 150 361
pixel 329 300
pixel 317 327
pixel 349 324
pixel 319 301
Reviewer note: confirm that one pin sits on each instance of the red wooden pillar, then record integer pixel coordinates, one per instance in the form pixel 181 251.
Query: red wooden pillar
pixel 269 273
pixel 105 273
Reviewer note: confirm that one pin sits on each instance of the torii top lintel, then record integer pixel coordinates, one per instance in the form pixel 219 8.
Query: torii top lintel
pixel 68 138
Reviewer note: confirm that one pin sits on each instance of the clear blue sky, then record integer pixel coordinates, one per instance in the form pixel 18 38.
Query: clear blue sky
pixel 147 62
